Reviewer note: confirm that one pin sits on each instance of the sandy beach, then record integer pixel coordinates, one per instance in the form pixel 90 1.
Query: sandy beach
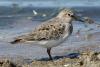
pixel 85 59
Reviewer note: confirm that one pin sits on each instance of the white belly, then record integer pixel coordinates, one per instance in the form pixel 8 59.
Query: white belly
pixel 53 43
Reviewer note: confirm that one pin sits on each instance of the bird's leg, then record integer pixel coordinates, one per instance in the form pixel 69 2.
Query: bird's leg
pixel 49 53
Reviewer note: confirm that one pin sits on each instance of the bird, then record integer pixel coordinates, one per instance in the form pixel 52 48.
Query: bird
pixel 52 32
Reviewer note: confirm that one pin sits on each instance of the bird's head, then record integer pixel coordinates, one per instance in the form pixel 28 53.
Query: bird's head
pixel 69 14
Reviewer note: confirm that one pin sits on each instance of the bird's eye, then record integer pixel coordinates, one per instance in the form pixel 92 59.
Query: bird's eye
pixel 69 15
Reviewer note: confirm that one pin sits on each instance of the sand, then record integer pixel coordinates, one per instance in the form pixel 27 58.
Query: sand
pixel 85 59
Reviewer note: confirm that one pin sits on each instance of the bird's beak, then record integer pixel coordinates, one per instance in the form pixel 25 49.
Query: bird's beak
pixel 77 18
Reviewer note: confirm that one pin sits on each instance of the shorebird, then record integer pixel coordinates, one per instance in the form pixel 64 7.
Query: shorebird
pixel 52 32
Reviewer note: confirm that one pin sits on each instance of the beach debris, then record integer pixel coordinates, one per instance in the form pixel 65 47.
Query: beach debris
pixel 88 20
pixel 29 18
pixel 88 56
pixel 98 26
pixel 73 55
pixel 44 15
pixel 35 13
pixel 98 56
pixel 88 36
pixel 66 65
pixel 81 63
pixel 90 29
pixel 78 33
pixel 6 63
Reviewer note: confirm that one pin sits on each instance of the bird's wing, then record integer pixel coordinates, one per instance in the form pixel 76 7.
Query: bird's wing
pixel 46 31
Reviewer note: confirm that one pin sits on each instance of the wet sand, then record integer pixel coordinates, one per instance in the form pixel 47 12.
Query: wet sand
pixel 85 59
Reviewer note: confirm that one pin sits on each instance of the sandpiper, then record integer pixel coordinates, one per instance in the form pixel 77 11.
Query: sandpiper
pixel 51 33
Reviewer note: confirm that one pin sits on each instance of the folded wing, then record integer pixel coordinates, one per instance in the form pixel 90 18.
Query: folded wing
pixel 46 31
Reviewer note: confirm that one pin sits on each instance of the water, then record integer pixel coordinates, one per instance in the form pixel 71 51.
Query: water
pixel 51 3
pixel 15 23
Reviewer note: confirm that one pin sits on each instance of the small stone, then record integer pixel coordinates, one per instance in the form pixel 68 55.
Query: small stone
pixel 44 15
pixel 98 56
pixel 88 20
pixel 66 65
pixel 6 63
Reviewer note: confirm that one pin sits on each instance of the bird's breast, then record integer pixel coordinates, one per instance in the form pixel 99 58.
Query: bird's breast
pixel 68 30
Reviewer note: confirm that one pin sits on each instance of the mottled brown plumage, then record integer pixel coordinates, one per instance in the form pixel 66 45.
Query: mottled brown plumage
pixel 51 30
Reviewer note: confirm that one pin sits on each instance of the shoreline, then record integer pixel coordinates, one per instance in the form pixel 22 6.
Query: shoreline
pixel 85 59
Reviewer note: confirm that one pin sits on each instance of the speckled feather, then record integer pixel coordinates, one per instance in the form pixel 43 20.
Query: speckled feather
pixel 46 31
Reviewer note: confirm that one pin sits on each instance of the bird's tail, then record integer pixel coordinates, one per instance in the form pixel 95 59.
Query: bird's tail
pixel 15 41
